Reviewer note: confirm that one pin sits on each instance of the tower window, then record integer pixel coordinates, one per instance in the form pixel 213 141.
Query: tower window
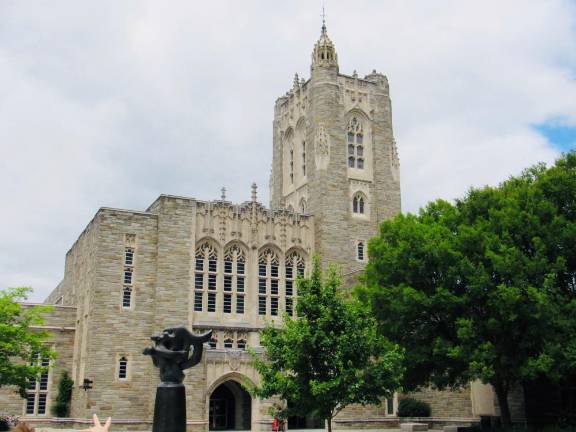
pixel 291 166
pixel 360 251
pixel 358 204
pixel 355 140
pixel 129 256
pixel 241 344
pixel 213 343
pixel 126 297
pixel 228 343
pixel 211 302
pixel 304 158
pixel 122 368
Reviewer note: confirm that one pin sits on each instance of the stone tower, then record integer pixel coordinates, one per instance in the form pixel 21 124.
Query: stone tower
pixel 335 157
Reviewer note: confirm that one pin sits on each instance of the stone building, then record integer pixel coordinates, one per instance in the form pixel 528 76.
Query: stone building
pixel 231 267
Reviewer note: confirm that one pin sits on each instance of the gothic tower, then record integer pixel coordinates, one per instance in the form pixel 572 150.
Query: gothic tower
pixel 334 156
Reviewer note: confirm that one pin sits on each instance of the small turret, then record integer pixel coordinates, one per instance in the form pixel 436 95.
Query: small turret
pixel 324 54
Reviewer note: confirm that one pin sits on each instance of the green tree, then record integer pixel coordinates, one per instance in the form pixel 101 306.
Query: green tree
pixel 61 407
pixel 328 357
pixel 20 345
pixel 485 288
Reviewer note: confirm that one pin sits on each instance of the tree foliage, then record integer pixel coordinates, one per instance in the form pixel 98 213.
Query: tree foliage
pixel 20 345
pixel 61 406
pixel 329 356
pixel 485 288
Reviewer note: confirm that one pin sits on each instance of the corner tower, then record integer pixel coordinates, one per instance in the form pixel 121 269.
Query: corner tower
pixel 334 156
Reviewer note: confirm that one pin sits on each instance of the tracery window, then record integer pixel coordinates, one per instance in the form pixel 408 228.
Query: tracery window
pixel 295 267
pixel 358 203
pixel 355 142
pixel 206 271
pixel 303 206
pixel 268 280
pixel 37 391
pixel 234 279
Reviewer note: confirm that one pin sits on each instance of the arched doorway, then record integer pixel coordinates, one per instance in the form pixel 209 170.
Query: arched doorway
pixel 230 407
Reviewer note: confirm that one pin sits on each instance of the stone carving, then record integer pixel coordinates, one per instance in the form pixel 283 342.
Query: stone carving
pixel 322 148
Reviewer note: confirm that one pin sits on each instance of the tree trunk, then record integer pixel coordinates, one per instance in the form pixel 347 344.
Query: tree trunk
pixel 329 420
pixel 502 395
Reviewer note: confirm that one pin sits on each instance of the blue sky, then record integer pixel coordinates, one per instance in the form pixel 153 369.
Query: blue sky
pixel 112 103
pixel 562 137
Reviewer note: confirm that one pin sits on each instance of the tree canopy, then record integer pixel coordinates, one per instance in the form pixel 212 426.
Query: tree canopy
pixel 329 356
pixel 20 345
pixel 484 288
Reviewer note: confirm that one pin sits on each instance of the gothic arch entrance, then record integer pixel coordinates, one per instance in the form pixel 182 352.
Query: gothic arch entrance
pixel 230 407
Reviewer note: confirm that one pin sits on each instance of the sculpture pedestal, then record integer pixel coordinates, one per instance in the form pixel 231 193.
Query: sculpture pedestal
pixel 170 408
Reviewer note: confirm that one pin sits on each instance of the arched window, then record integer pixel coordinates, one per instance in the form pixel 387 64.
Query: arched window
pixel 268 280
pixel 360 255
pixel 295 267
pixel 123 368
pixel 206 270
pixel 291 166
pixel 213 343
pixel 302 206
pixel 241 344
pixel 304 158
pixel 234 279
pixel 355 143
pixel 127 297
pixel 358 204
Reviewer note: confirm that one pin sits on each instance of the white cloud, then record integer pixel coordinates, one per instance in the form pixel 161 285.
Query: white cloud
pixel 95 98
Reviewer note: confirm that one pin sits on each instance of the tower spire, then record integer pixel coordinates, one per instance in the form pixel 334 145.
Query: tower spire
pixel 324 54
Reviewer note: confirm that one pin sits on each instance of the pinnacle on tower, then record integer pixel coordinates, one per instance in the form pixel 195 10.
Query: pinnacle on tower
pixel 324 54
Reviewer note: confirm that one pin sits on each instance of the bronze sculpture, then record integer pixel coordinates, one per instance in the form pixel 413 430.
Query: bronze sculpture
pixel 174 350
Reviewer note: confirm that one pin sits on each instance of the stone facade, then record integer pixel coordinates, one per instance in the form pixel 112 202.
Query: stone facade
pixel 231 267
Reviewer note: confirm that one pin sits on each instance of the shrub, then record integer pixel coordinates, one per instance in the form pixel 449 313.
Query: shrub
pixel 7 421
pixel 409 407
pixel 61 406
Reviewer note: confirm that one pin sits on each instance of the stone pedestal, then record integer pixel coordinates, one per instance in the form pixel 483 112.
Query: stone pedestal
pixel 170 408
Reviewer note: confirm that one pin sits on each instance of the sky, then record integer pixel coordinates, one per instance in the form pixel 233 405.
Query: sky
pixel 109 104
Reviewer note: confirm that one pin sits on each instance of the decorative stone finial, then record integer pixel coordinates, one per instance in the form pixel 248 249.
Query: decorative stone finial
pixel 296 81
pixel 254 192
pixel 223 197
pixel 324 54
pixel 355 74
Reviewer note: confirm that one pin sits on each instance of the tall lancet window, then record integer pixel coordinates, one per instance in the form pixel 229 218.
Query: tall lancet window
pixel 291 168
pixel 355 142
pixel 304 158
pixel 268 280
pixel 294 267
pixel 234 278
pixel 206 270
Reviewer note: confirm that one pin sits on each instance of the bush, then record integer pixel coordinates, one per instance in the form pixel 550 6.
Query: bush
pixel 408 407
pixel 61 407
pixel 7 422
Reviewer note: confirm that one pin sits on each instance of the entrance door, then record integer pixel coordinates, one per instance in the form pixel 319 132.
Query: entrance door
pixel 230 407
